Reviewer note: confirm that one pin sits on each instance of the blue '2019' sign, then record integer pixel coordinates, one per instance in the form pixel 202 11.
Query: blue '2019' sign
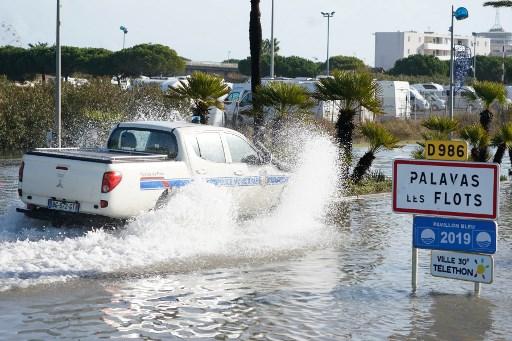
pixel 467 235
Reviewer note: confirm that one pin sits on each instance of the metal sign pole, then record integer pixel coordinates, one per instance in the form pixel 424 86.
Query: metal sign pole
pixel 414 277
pixel 477 289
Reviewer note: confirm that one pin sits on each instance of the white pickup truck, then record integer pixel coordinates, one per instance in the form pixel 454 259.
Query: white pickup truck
pixel 145 162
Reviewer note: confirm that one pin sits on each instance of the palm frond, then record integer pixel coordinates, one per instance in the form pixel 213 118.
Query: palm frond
pixel 440 124
pixel 286 98
pixel 353 90
pixel 503 136
pixel 378 137
pixel 475 135
pixel 202 89
pixel 490 92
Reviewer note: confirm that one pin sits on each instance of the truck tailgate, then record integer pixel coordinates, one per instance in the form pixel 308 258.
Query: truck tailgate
pixel 62 179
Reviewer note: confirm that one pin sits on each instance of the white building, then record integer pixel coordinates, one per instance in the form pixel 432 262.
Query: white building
pixel 392 46
pixel 501 40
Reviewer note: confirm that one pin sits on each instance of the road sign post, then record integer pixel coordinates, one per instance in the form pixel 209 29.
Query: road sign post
pixel 460 203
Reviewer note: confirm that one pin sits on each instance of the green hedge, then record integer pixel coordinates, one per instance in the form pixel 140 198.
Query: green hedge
pixel 88 112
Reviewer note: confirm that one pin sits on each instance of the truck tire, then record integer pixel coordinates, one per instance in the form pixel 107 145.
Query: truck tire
pixel 162 200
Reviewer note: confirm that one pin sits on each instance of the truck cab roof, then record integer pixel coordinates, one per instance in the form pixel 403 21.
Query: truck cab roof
pixel 171 125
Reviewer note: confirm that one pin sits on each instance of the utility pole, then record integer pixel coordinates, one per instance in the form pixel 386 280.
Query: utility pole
pixel 452 48
pixel 328 16
pixel 58 88
pixel 474 56
pixel 272 46
pixel 503 65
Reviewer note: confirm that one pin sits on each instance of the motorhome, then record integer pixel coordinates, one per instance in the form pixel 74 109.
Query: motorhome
pixel 418 102
pixel 395 99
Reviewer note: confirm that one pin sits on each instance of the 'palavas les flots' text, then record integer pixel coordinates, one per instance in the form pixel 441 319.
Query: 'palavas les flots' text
pixel 447 179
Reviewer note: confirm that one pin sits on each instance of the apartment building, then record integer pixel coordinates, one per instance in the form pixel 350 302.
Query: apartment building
pixel 392 46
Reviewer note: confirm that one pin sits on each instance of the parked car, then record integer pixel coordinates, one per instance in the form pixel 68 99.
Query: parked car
pixel 436 103
pixel 142 165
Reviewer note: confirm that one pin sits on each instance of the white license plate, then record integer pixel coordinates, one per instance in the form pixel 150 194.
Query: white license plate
pixel 63 206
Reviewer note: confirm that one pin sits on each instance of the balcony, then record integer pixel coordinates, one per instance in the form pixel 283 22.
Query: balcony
pixel 432 46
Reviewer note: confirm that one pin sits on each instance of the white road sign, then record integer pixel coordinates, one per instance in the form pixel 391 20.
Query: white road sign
pixel 463 266
pixel 446 188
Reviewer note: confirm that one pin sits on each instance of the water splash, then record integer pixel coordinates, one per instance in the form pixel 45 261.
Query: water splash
pixel 200 224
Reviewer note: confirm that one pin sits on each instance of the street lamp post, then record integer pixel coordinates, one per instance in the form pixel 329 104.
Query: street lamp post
pixel 124 30
pixel 328 16
pixel 460 14
pixel 475 35
pixel 58 86
pixel 272 46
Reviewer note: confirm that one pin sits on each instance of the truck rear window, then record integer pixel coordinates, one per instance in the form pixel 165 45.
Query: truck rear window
pixel 143 140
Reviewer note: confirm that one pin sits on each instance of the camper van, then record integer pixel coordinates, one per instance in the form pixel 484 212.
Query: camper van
pixel 418 102
pixel 395 99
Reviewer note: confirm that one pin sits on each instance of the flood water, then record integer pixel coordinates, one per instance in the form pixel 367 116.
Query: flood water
pixel 316 268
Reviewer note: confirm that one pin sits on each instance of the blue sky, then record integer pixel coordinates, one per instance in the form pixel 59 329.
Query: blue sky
pixel 212 30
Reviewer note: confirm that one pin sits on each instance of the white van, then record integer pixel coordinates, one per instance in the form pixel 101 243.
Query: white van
pixel 395 99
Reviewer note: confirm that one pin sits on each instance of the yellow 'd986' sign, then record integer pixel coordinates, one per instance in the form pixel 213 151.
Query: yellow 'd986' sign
pixel 446 150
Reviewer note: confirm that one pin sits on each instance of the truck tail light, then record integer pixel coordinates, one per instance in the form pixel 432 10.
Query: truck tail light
pixel 20 171
pixel 110 181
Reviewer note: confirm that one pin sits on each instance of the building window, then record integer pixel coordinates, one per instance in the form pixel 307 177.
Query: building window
pixel 408 51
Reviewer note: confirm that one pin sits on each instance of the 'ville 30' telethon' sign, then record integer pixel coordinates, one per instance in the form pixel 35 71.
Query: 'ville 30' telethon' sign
pixel 458 189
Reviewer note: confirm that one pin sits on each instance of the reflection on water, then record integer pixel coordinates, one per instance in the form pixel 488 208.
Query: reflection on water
pixel 352 283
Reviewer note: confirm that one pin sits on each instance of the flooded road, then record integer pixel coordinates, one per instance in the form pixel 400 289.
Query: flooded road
pixel 318 268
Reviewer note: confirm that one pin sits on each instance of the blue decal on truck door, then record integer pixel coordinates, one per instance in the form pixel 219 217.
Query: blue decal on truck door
pixel 158 183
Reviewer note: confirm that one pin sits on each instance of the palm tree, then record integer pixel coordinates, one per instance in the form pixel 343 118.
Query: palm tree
pixel 203 90
pixel 287 99
pixel 477 138
pixel 439 128
pixel 503 141
pixel 255 37
pixel 351 91
pixel 379 138
pixel 489 92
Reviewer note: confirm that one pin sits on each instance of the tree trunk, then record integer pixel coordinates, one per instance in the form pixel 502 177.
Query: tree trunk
pixel 499 153
pixel 344 131
pixel 483 154
pixel 363 165
pixel 255 37
pixel 486 119
pixel 474 154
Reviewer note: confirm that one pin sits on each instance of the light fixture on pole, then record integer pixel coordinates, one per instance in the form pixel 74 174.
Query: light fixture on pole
pixel 124 30
pixel 58 85
pixel 272 45
pixel 460 14
pixel 328 16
